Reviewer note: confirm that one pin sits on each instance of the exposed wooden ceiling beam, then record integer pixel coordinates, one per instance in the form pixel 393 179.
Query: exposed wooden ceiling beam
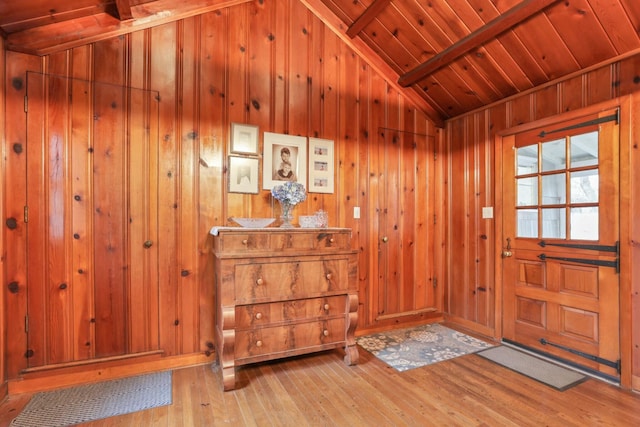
pixel 369 15
pixel 335 24
pixel 59 36
pixel 124 10
pixel 484 34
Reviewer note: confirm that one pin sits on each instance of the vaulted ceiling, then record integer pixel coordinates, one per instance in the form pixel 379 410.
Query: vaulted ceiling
pixel 452 56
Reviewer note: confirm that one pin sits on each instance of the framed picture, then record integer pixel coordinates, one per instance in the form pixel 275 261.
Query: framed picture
pixel 285 159
pixel 320 165
pixel 244 139
pixel 243 174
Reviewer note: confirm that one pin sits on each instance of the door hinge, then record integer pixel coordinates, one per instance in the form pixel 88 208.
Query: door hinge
pixel 435 282
pixel 26 214
pixel 26 324
pixel 26 104
pixel 434 218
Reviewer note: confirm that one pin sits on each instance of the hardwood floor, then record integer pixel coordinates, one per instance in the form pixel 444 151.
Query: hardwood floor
pixel 320 390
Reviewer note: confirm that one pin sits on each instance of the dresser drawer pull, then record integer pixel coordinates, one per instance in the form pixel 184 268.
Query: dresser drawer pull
pixel 258 343
pixel 259 281
pixel 325 333
pixel 332 240
pixel 328 276
pixel 326 307
pixel 245 241
pixel 258 316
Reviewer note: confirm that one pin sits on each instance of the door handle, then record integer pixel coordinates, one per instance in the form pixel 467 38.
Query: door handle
pixel 507 251
pixel 385 239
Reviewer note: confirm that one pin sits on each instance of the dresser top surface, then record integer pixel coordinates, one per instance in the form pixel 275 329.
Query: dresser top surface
pixel 216 230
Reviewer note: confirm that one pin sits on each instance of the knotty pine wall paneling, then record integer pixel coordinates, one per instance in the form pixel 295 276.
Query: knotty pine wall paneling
pixel 3 192
pixel 187 148
pixel 110 198
pixel 15 183
pixel 328 118
pixel 80 269
pixel 163 77
pixel 143 301
pixel 389 216
pixel 139 276
pixel 210 171
pixel 474 164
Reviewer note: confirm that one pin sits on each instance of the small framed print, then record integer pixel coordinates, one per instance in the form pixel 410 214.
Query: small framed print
pixel 285 159
pixel 243 174
pixel 244 139
pixel 320 165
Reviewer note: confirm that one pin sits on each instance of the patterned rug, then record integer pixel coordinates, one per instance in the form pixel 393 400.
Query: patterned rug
pixel 92 402
pixel 405 349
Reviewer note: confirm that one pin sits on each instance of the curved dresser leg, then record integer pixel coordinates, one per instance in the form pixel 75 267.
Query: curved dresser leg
pixel 351 348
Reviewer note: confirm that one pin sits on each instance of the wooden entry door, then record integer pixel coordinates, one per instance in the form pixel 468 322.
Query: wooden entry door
pixel 561 230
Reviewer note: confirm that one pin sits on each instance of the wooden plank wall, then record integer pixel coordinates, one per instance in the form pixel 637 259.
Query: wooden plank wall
pixel 271 64
pixel 473 296
pixel 3 283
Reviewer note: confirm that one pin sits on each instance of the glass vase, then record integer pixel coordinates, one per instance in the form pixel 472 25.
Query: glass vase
pixel 286 214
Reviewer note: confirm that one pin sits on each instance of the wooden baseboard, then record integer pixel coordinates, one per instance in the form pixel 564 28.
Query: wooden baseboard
pixel 408 321
pixel 61 377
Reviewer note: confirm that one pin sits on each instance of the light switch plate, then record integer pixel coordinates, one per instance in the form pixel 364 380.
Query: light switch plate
pixel 356 212
pixel 487 212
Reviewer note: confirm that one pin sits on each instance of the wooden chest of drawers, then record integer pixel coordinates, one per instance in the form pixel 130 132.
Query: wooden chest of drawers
pixel 283 292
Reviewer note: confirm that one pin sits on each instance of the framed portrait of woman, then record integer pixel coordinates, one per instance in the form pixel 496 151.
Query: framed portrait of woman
pixel 285 159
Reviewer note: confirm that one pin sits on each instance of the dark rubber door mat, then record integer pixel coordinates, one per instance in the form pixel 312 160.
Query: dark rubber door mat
pixel 533 367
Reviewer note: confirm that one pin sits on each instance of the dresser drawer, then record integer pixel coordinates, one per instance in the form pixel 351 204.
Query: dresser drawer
pixel 327 240
pixel 260 315
pixel 289 280
pixel 281 339
pixel 271 242
pixel 283 241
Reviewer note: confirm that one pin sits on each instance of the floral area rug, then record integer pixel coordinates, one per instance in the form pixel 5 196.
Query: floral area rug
pixel 405 349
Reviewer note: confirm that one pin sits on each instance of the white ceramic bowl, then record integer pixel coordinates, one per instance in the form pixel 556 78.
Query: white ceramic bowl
pixel 308 221
pixel 254 222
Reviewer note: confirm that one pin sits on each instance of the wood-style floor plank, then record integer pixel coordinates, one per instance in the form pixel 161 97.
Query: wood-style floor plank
pixel 320 390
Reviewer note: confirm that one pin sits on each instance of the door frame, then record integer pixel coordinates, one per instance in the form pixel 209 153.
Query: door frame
pixel 625 140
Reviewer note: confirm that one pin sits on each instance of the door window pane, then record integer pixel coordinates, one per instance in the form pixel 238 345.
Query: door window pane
pixel 527 222
pixel 584 150
pixel 554 223
pixel 527 160
pixel 554 155
pixel 585 186
pixel 554 189
pixel 527 189
pixel 557 196
pixel 584 223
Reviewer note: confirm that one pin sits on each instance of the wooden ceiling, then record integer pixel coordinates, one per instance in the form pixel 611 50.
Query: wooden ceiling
pixel 452 56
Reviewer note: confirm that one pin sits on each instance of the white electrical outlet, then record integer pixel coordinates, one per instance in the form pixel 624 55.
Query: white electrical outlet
pixel 356 212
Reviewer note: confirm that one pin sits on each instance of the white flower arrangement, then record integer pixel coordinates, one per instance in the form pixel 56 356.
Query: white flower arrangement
pixel 290 193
